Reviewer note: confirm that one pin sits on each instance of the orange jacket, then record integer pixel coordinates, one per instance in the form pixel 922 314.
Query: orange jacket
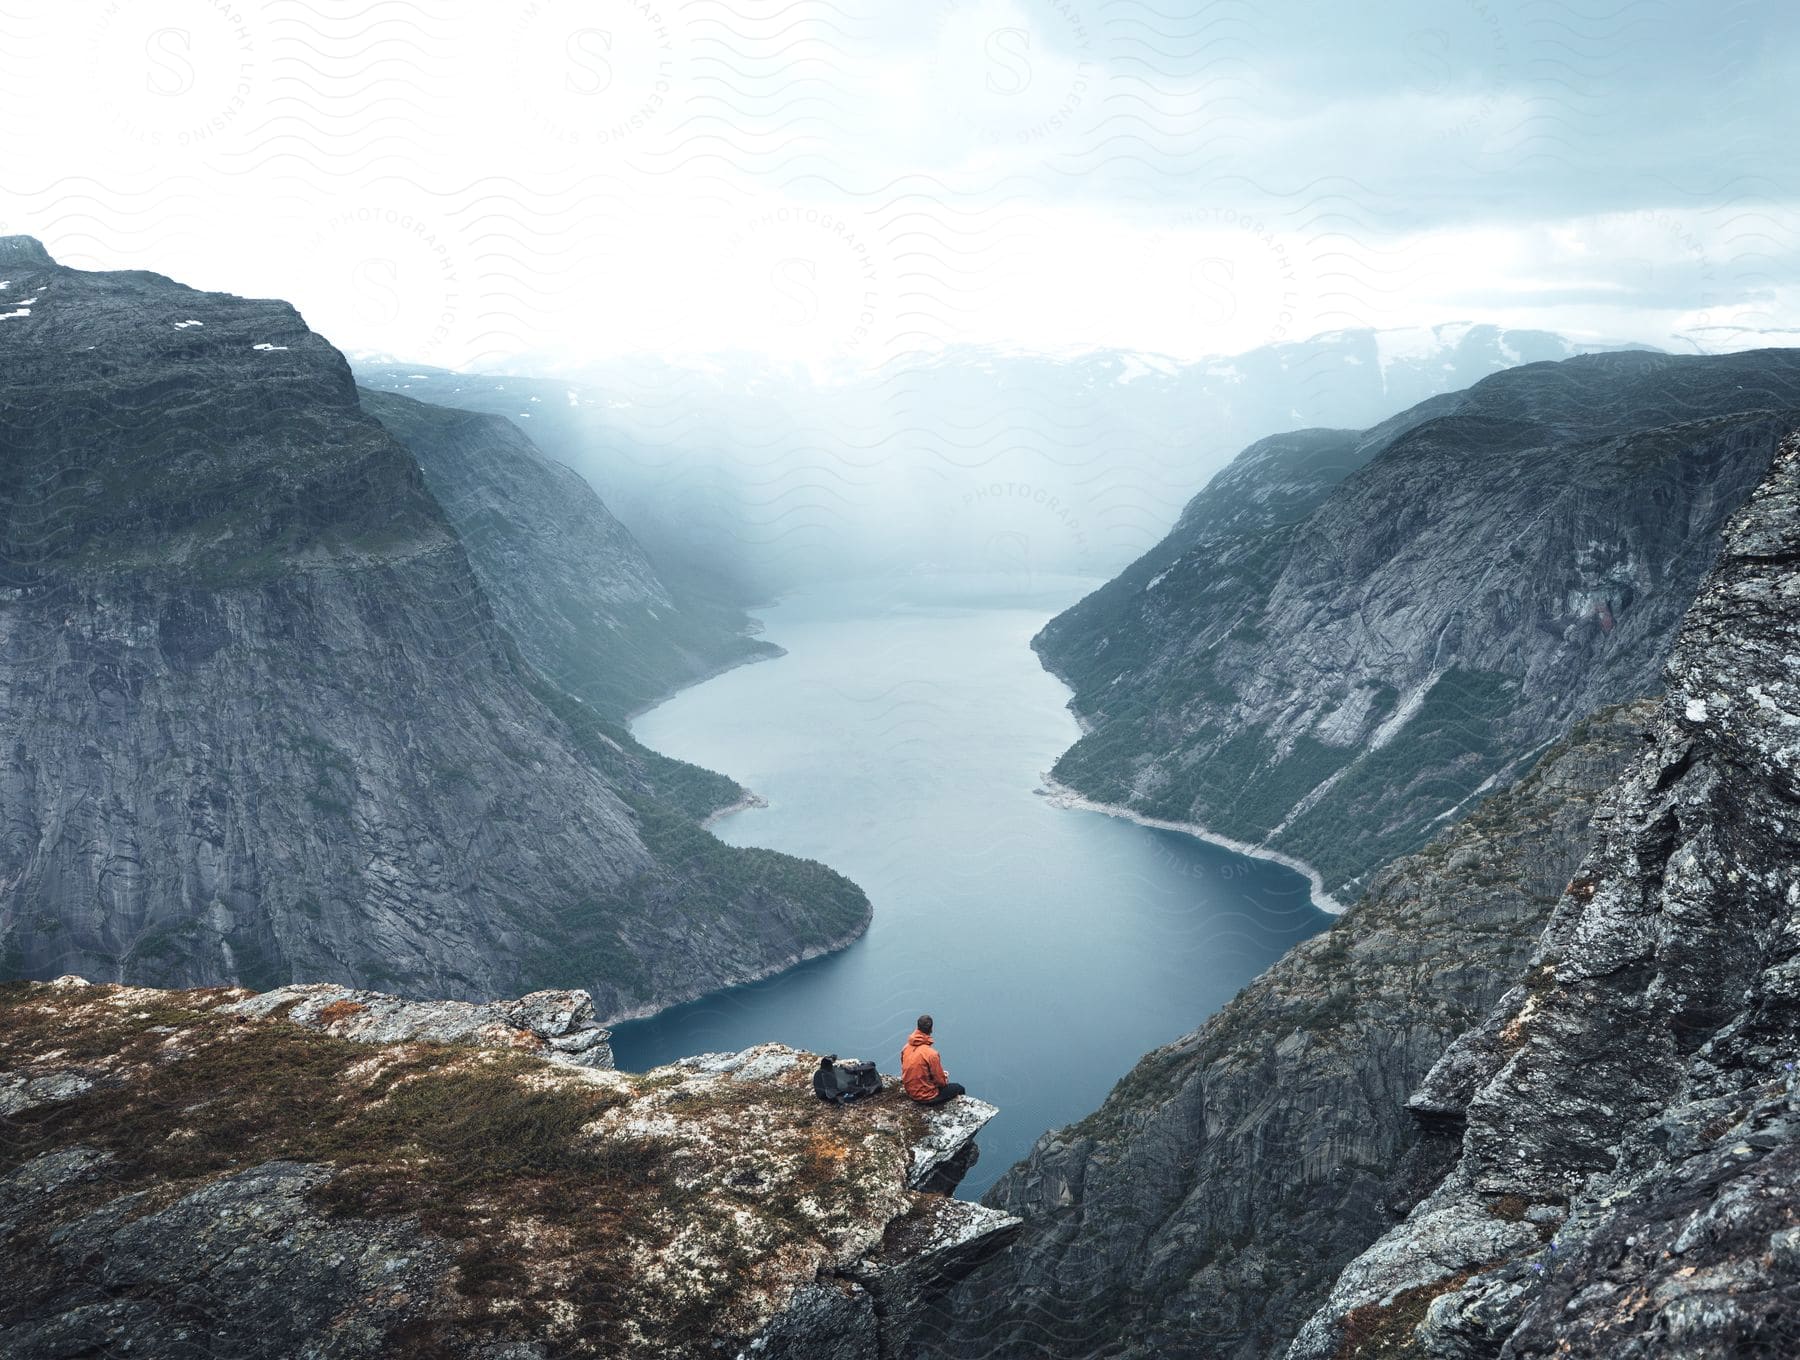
pixel 921 1072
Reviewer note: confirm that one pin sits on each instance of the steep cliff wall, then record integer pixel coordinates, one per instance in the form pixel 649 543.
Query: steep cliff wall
pixel 1630 1111
pixel 1467 1140
pixel 567 580
pixel 260 720
pixel 309 1172
pixel 1347 637
pixel 1205 1208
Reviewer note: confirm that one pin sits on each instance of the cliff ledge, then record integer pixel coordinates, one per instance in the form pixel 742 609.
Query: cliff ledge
pixel 321 1171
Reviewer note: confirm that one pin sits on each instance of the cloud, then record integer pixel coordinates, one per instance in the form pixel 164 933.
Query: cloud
pixel 857 183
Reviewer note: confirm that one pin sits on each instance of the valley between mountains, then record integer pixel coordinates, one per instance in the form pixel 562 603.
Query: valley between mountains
pixel 329 865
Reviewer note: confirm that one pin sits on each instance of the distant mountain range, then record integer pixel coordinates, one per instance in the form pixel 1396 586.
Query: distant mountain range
pixel 269 692
pixel 760 478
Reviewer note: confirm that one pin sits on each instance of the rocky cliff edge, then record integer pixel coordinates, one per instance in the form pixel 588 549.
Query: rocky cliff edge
pixel 324 1171
pixel 1628 1182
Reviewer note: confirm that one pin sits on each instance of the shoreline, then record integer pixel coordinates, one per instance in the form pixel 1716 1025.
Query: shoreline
pixel 754 975
pixel 750 798
pixel 1060 795
pixel 746 803
pixel 723 668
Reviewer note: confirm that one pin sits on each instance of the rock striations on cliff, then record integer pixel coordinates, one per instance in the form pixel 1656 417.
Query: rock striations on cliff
pixel 1206 1207
pixel 1347 637
pixel 1629 1166
pixel 262 723
pixel 320 1172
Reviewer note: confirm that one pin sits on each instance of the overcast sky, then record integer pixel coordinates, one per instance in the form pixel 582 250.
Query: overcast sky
pixel 848 182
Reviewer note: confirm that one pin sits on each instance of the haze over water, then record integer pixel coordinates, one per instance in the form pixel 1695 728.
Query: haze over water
pixel 900 741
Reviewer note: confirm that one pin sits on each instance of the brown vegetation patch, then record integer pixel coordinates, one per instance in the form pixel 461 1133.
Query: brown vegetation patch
pixel 339 1010
pixel 1385 1331
pixel 825 1156
pixel 453 1135
pixel 1511 1208
pixel 581 1206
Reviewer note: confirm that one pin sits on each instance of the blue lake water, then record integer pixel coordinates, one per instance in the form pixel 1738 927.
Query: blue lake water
pixel 900 741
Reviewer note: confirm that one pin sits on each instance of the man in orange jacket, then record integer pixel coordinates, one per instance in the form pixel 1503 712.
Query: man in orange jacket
pixel 922 1072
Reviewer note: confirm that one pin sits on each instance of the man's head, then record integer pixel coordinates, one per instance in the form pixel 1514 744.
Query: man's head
pixel 925 1024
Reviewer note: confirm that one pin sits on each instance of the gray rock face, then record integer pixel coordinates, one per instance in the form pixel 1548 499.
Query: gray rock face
pixel 874 1309
pixel 567 580
pixel 261 720
pixel 1346 638
pixel 23 250
pixel 1630 1152
pixel 243 1266
pixel 1206 1207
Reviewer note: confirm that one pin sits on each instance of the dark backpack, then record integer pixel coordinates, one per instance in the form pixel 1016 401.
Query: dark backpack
pixel 842 1082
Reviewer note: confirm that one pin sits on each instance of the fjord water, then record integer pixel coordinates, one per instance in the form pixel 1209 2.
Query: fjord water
pixel 900 741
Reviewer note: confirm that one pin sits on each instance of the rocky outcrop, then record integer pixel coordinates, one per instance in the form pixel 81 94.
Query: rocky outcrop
pixel 1347 638
pixel 1629 1112
pixel 557 1026
pixel 350 1175
pixel 567 580
pixel 262 723
pixel 1205 1208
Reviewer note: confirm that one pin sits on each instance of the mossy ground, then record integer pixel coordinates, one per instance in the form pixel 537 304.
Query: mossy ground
pixel 606 1214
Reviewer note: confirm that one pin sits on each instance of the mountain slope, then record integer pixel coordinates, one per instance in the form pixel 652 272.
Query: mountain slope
pixel 566 578
pixel 261 722
pixel 1346 638
pixel 1629 1112
pixel 1205 1208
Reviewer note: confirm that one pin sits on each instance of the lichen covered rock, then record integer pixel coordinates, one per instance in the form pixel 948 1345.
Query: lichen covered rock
pixel 1206 1207
pixel 323 1172
pixel 1629 1176
pixel 557 1025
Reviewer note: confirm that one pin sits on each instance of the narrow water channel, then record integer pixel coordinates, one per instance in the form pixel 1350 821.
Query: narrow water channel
pixel 900 741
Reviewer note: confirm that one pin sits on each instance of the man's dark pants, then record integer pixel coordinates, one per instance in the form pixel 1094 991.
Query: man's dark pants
pixel 948 1092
